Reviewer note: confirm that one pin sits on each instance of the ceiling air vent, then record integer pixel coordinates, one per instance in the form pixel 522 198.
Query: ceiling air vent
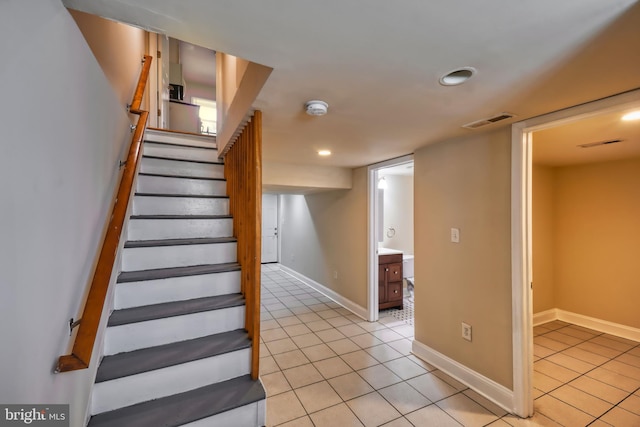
pixel 485 122
pixel 595 144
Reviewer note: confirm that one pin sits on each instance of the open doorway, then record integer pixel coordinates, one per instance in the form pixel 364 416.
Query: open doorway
pixel 185 78
pixel 522 233
pixel 390 249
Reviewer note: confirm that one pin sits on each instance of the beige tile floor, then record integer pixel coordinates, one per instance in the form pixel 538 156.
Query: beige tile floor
pixel 323 366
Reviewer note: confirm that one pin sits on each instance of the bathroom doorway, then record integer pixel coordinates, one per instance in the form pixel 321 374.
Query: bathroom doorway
pixel 390 246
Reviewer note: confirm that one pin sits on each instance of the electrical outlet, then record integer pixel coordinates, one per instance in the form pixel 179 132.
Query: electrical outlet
pixel 466 331
pixel 455 235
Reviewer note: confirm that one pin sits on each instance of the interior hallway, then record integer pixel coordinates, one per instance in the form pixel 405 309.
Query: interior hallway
pixel 323 366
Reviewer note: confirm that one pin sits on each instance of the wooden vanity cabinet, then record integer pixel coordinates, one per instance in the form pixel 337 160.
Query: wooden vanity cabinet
pixel 390 281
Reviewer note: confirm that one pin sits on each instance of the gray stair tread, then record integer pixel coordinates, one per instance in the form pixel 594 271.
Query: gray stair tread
pixel 182 160
pixel 164 175
pixel 176 308
pixel 165 273
pixel 185 407
pixel 174 144
pixel 177 242
pixel 152 358
pixel 191 196
pixel 181 216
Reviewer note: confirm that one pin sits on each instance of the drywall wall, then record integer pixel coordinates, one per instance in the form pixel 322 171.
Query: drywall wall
pixel 64 129
pixel 465 183
pixel 543 246
pixel 398 213
pixel 285 177
pixel 326 232
pixel 119 49
pixel 598 240
pixel 238 83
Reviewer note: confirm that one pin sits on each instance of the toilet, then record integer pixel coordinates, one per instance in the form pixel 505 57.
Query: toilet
pixel 407 272
pixel 407 266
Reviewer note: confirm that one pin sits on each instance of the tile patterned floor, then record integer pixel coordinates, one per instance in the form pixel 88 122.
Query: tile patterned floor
pixel 406 314
pixel 323 366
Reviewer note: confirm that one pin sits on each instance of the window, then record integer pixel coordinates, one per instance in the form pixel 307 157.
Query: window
pixel 208 114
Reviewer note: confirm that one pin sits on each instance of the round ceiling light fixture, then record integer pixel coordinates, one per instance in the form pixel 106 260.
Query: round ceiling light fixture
pixel 457 76
pixel 316 108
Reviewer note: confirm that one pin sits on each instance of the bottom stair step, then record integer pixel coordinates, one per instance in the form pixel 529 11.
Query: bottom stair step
pixel 191 406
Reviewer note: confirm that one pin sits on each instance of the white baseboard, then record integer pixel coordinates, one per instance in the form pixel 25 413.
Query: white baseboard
pixel 356 309
pixel 498 394
pixel 599 325
pixel 545 316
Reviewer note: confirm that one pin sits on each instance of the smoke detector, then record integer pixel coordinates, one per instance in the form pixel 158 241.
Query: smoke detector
pixel 316 108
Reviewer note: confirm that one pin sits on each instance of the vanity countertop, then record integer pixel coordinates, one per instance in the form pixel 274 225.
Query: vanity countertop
pixel 386 251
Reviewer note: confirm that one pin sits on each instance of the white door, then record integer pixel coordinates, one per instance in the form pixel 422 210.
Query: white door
pixel 269 228
pixel 163 81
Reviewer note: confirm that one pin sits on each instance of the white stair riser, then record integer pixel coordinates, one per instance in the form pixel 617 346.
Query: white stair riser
pixel 174 167
pixel 177 256
pixel 155 229
pixel 176 152
pixel 253 414
pixel 152 205
pixel 134 336
pixel 120 392
pixel 182 139
pixel 135 294
pixel 169 185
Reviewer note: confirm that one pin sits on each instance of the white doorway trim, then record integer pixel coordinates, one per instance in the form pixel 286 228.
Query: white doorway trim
pixel 521 235
pixel 372 224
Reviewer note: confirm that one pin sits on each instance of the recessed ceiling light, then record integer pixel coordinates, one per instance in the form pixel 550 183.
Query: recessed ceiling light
pixel 324 153
pixel 634 115
pixel 457 76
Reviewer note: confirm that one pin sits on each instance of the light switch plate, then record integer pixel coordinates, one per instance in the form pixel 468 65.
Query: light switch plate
pixel 466 331
pixel 455 235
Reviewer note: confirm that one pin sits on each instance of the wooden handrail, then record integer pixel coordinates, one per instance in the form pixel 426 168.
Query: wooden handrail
pixel 182 132
pixel 88 328
pixel 243 171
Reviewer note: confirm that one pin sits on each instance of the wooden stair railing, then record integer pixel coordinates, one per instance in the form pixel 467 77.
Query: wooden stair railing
pixel 243 171
pixel 88 326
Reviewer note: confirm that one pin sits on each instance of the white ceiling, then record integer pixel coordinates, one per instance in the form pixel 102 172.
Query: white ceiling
pixel 405 169
pixel 377 63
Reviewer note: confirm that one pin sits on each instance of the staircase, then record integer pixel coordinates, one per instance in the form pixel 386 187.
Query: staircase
pixel 176 351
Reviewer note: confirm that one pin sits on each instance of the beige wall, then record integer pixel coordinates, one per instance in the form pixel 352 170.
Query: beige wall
pixel 118 48
pixel 465 183
pixel 543 238
pixel 238 83
pixel 598 240
pixel 326 232
pixel 286 177
pixel 59 173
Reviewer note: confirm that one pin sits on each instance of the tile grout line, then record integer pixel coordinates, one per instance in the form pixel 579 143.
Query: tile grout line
pixel 585 374
pixel 284 292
